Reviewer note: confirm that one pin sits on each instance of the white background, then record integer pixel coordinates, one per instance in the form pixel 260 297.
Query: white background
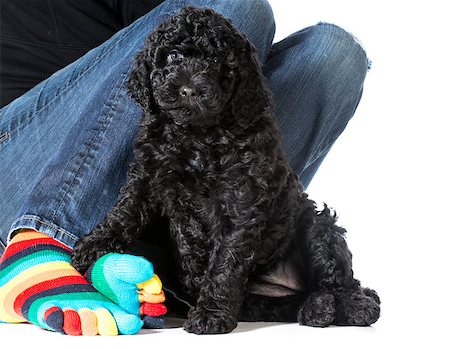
pixel 388 174
pixel 387 177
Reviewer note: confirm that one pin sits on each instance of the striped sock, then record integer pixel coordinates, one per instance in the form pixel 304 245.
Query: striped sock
pixel 116 276
pixel 130 282
pixel 39 285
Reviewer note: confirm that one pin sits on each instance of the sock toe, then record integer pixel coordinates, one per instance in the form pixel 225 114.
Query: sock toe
pixel 72 322
pixel 128 268
pixel 54 318
pixel 116 276
pixel 88 322
pixel 155 322
pixel 105 323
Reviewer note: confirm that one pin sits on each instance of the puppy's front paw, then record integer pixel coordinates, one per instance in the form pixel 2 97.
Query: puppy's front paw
pixel 359 308
pixel 201 321
pixel 83 257
pixel 317 311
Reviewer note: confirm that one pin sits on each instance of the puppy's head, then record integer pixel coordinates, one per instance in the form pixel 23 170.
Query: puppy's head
pixel 195 66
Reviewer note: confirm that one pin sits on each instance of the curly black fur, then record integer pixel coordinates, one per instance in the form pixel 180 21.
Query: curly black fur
pixel 249 243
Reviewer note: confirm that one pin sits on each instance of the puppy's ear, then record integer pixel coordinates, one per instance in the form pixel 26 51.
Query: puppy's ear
pixel 139 85
pixel 251 98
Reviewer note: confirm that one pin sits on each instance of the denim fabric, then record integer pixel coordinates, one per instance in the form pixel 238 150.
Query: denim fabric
pixel 65 146
pixel 316 76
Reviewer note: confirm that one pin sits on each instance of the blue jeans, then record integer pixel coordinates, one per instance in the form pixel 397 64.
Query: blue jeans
pixel 65 146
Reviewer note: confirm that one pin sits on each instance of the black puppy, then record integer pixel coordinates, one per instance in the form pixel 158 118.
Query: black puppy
pixel 249 243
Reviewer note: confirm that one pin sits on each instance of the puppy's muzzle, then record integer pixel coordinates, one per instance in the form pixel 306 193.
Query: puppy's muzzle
pixel 187 92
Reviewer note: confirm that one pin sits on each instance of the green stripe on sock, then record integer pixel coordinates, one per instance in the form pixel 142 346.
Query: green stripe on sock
pixel 99 279
pixel 43 255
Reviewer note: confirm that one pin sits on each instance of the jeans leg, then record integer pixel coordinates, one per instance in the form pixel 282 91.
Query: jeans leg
pixel 65 146
pixel 316 76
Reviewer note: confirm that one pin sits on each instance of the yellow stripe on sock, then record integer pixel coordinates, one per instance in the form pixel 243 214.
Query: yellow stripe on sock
pixel 106 323
pixel 27 235
pixel 152 286
pixel 151 298
pixel 26 279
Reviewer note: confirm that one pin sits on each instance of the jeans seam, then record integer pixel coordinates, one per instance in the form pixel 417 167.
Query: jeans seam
pixel 52 226
pixel 39 98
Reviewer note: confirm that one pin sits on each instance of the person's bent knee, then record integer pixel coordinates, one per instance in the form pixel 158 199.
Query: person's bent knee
pixel 344 52
pixel 340 65
pixel 253 17
pixel 259 9
pixel 256 19
pixel 335 64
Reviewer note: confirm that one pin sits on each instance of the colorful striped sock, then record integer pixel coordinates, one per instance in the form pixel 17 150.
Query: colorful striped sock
pixel 39 285
pixel 116 276
pixel 130 282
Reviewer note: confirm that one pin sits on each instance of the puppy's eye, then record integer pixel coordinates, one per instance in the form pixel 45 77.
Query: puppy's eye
pixel 174 55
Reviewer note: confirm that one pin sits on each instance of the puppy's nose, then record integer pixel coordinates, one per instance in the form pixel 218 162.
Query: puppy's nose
pixel 187 92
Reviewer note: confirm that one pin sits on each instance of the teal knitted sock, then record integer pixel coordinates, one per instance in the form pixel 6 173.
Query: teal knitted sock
pixel 116 276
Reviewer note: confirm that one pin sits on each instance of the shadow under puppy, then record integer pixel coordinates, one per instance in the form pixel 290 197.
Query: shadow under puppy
pixel 248 243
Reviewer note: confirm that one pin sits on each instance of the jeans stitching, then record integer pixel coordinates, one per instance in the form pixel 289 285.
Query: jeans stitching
pixel 39 97
pixel 52 226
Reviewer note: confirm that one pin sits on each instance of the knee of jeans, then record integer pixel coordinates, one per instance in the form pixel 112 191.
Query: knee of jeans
pixel 255 18
pixel 260 9
pixel 345 56
pixel 252 17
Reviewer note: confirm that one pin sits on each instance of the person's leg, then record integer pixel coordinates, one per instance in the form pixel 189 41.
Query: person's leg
pixel 316 76
pixel 67 143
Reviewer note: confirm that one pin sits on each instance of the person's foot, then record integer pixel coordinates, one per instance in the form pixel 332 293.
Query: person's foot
pixel 116 276
pixel 129 281
pixel 39 285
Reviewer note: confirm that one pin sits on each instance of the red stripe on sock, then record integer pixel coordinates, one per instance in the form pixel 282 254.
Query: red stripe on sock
pixel 44 286
pixel 21 245
pixel 72 322
pixel 153 309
